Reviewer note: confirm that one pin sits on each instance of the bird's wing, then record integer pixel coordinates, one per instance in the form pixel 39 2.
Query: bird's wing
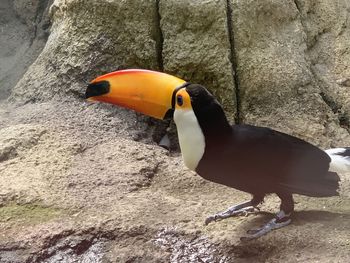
pixel 283 161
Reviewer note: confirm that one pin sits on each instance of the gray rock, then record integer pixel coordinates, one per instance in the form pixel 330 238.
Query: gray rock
pixel 23 26
pixel 197 46
pixel 18 139
pixel 27 11
pixel 276 80
pixel 89 38
pixel 327 29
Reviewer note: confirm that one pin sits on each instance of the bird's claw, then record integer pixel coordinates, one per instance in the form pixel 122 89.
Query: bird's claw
pixel 210 219
pixel 231 212
pixel 251 210
pixel 271 225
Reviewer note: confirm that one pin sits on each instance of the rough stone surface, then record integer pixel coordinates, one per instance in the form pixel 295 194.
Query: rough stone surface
pixel 18 138
pixel 327 28
pixel 197 46
pixel 23 27
pixel 78 188
pixel 26 11
pixel 87 39
pixel 83 182
pixel 278 86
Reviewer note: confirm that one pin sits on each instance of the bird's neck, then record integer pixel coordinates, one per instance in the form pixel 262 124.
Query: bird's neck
pixel 199 131
pixel 214 124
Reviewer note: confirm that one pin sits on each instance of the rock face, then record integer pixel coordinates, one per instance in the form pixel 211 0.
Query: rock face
pixel 327 29
pixel 282 83
pixel 197 47
pixel 271 63
pixel 23 26
pixel 87 39
pixel 83 182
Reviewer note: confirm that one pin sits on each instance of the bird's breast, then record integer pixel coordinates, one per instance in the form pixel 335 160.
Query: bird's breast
pixel 191 138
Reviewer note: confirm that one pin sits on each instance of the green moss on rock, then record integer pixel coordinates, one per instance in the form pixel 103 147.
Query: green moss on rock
pixel 31 213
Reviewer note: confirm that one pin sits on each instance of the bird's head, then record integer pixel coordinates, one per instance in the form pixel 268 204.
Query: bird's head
pixel 159 95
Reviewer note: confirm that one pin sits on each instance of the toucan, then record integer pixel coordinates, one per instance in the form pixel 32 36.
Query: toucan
pixel 256 160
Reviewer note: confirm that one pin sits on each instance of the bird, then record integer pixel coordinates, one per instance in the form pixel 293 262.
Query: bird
pixel 252 159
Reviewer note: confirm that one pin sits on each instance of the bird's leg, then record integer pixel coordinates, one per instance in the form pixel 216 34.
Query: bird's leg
pixel 282 218
pixel 237 210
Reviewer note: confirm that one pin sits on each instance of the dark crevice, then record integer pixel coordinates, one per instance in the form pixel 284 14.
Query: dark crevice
pixel 344 25
pixel 297 4
pixel 344 121
pixel 160 38
pixel 309 46
pixel 163 127
pixel 343 118
pixel 311 43
pixel 233 58
pixel 330 103
pixel 42 6
pixel 36 22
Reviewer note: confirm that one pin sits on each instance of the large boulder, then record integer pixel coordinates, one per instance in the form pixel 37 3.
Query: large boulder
pixel 24 25
pixel 89 38
pixel 288 76
pixel 278 80
pixel 327 28
pixel 197 46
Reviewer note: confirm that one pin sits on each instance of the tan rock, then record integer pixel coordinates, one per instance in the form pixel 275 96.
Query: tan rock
pixel 197 46
pixel 89 38
pixel 277 84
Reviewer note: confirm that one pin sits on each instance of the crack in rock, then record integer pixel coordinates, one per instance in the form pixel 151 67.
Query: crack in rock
pixel 343 117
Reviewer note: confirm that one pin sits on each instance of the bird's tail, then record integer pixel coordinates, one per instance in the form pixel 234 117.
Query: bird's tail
pixel 340 160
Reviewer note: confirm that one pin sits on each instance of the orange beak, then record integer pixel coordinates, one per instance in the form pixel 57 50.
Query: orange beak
pixel 149 92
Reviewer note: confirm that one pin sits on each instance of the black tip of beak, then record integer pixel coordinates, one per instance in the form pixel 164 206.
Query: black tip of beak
pixel 97 89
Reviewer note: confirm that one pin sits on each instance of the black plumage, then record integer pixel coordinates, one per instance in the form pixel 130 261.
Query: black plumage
pixel 258 160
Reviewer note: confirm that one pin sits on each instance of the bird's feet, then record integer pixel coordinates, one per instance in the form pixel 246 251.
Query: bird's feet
pixel 232 211
pixel 279 221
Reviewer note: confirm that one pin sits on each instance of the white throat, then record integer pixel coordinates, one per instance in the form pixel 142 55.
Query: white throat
pixel 191 138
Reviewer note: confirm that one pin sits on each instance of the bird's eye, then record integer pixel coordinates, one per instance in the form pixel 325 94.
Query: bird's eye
pixel 180 100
